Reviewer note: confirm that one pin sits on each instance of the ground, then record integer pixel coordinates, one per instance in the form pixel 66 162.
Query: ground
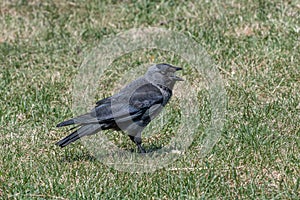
pixel 254 45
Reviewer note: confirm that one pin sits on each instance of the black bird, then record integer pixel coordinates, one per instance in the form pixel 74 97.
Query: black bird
pixel 130 110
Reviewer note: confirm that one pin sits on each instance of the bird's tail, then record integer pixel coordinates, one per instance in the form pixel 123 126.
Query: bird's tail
pixel 66 123
pixel 89 118
pixel 84 130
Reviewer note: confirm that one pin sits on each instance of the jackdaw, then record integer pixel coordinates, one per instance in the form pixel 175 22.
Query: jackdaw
pixel 130 110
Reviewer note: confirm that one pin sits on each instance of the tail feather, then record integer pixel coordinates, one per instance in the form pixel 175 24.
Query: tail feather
pixel 69 139
pixel 77 134
pixel 66 123
pixel 88 118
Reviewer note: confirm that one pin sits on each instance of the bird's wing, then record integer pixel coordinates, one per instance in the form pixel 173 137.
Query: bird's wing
pixel 103 101
pixel 127 107
pixel 142 104
pixel 145 97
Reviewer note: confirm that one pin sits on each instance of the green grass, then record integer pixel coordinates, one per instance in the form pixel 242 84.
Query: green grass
pixel 255 46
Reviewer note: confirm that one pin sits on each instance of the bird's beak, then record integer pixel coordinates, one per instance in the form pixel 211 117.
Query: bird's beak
pixel 176 78
pixel 178 68
pixel 173 76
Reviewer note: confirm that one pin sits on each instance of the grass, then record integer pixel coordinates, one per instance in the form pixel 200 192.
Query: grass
pixel 255 46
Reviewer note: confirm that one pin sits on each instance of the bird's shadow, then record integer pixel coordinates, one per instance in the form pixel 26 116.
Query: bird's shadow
pixel 152 148
pixel 88 156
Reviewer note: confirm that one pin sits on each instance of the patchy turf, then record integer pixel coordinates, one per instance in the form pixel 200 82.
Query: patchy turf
pixel 255 46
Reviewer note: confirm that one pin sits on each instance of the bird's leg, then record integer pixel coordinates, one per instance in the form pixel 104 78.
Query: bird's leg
pixel 138 142
pixel 141 149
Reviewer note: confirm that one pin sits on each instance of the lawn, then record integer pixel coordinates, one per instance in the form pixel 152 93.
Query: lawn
pixel 254 47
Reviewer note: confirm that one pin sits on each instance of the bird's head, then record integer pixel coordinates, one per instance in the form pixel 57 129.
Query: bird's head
pixel 163 74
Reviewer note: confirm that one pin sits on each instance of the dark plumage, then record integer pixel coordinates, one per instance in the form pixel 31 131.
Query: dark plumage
pixel 130 110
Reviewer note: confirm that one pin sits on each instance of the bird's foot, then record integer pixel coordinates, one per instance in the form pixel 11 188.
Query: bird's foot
pixel 141 149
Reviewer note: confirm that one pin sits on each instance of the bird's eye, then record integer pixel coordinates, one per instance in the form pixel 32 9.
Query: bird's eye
pixel 163 73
